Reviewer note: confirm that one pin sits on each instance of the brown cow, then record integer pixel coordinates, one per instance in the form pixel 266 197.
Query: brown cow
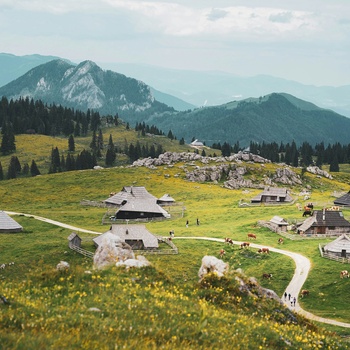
pixel 267 275
pixel 251 235
pixel 264 250
pixel 280 240
pixel 228 240
pixel 245 245
pixel 304 292
pixel 344 273
pixel 222 253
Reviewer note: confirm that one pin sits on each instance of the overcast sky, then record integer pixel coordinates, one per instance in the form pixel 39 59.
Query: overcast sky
pixel 303 40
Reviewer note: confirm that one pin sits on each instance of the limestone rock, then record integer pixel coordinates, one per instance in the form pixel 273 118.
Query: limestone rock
pixel 317 171
pixel 211 264
pixel 111 251
pixel 62 266
pixel 140 261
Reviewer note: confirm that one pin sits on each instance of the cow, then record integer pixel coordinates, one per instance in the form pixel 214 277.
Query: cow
pixel 222 253
pixel 267 275
pixel 304 293
pixel 245 245
pixel 228 240
pixel 264 250
pixel 344 273
pixel 307 211
pixel 280 240
pixel 251 235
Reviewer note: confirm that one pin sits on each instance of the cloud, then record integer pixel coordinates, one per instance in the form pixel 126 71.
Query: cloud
pixel 282 17
pixel 216 14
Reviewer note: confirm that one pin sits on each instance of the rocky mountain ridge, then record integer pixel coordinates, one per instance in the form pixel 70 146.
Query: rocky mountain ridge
pixel 231 170
pixel 85 86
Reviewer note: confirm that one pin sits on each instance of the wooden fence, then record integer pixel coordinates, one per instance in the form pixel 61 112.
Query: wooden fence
pixel 333 257
pixel 81 251
pixel 172 250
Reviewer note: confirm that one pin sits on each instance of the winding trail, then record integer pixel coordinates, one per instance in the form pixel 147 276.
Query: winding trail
pixel 302 267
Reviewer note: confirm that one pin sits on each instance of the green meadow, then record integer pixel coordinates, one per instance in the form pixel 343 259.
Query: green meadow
pixel 163 306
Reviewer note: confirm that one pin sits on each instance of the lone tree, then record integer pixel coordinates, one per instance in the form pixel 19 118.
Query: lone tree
pixel 71 143
pixel 111 153
pixel 34 171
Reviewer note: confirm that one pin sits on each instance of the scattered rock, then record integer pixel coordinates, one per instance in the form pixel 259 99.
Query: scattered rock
pixel 62 266
pixel 317 171
pixel 211 264
pixel 140 261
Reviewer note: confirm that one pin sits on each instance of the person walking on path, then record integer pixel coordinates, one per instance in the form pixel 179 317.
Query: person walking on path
pixel 197 222
pixel 289 296
pixel 294 300
pixel 285 295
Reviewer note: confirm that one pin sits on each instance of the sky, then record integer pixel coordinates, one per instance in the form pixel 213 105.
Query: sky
pixel 303 40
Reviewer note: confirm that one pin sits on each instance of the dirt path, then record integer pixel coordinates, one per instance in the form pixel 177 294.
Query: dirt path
pixel 53 222
pixel 302 267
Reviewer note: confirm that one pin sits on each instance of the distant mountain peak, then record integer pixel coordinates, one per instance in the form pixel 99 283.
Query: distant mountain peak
pixel 85 86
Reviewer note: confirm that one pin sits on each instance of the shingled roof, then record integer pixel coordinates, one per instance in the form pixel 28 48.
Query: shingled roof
pixel 166 199
pixel 8 225
pixel 338 245
pixel 343 200
pixel 136 200
pixel 130 233
pixel 325 218
pixel 281 194
pixel 129 193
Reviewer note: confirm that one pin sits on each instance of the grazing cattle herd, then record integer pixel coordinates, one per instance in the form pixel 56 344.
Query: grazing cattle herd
pixel 264 250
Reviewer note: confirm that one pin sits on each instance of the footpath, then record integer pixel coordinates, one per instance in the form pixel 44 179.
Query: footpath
pixel 302 268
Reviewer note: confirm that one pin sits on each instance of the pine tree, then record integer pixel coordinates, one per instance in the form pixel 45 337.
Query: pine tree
pixel 93 144
pixel 55 165
pixel 182 141
pixel 12 169
pixel 25 169
pixel 70 162
pixel 34 169
pixel 334 165
pixel 8 139
pixel 71 143
pixel 110 154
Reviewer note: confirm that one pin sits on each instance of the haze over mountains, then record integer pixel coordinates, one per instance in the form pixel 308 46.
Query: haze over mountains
pixel 276 117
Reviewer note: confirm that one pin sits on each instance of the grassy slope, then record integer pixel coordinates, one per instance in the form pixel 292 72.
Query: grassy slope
pixel 34 287
pixel 159 306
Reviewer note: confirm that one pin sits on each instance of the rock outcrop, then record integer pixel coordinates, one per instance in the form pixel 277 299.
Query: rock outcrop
pixel 111 251
pixel 211 264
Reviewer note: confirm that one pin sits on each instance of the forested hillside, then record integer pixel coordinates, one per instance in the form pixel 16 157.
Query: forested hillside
pixel 273 118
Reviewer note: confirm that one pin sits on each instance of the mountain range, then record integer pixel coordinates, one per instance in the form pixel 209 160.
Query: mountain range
pixel 276 117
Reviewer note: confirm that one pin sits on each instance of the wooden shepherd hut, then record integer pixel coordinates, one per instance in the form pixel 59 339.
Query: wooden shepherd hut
pixel 328 222
pixel 273 195
pixel 8 225
pixel 166 200
pixel 137 236
pixel 340 247
pixel 136 203
pixel 278 224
